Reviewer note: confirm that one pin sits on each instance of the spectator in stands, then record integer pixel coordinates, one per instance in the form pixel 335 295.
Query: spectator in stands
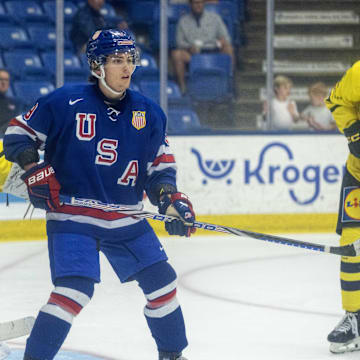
pixel 9 107
pixel 87 20
pixel 285 114
pixel 317 115
pixel 200 31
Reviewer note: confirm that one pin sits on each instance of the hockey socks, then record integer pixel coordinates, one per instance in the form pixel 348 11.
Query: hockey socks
pixel 162 311
pixel 55 318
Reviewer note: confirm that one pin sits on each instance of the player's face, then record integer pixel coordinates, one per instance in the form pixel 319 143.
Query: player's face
pixel 118 71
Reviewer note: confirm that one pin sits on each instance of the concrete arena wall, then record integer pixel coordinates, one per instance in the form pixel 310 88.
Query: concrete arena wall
pixel 276 183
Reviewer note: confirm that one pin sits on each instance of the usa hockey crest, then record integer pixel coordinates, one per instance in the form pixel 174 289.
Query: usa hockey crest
pixel 138 120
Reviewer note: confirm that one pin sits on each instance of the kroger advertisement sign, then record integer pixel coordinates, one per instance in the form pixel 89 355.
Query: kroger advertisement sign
pixel 261 174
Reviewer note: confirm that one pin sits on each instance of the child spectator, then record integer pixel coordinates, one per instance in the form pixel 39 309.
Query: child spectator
pixel 317 115
pixel 285 115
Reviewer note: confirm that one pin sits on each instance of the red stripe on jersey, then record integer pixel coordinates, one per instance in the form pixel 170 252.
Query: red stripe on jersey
pixel 67 304
pixel 15 122
pixel 162 300
pixel 164 158
pixel 95 213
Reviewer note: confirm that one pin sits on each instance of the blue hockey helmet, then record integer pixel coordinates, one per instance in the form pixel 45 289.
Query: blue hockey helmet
pixel 107 42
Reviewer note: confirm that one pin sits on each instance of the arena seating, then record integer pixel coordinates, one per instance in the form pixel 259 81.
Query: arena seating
pixel 30 91
pixel 28 41
pixel 210 77
pixel 182 119
pixel 25 65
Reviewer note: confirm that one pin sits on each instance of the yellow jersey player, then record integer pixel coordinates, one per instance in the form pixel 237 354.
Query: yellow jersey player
pixel 344 103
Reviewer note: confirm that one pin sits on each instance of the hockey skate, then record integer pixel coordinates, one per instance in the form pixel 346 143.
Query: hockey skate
pixel 170 356
pixel 345 337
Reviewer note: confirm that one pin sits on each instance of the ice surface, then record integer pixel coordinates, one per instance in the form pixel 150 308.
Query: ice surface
pixel 241 298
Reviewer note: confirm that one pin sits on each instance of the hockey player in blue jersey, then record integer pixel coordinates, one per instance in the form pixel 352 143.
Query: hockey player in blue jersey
pixel 105 142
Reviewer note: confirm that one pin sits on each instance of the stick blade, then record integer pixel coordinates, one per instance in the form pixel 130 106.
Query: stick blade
pixel 16 328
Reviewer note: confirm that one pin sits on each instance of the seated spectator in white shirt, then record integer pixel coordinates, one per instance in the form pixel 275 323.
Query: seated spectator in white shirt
pixel 285 115
pixel 317 115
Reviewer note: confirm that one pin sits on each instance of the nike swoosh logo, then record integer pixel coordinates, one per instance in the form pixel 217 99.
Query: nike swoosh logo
pixel 72 102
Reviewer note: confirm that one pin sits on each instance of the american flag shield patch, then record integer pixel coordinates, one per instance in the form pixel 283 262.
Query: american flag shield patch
pixel 138 119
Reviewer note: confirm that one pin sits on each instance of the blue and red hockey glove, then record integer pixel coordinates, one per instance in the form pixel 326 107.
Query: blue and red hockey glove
pixel 178 204
pixel 43 187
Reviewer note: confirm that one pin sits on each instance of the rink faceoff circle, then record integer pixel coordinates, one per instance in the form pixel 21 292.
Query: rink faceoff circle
pixel 186 282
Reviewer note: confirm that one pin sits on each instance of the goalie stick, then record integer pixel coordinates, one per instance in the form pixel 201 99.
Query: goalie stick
pixel 347 250
pixel 16 328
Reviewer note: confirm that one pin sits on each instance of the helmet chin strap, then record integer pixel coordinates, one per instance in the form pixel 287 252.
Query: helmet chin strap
pixel 103 82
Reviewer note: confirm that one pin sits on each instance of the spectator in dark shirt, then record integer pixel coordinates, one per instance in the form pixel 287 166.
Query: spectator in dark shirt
pixel 87 20
pixel 9 107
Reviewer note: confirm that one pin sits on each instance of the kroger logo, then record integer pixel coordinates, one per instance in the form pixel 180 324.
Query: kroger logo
pixel 267 173
pixel 214 169
pixel 290 174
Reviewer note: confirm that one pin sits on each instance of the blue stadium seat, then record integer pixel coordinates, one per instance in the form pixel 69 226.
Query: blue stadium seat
pixel 30 91
pixel 43 36
pixel 83 61
pixel 148 69
pixel 108 12
pixel 141 12
pixel 69 10
pixel 182 119
pixel 175 11
pixel 210 77
pixel 4 16
pixel 25 10
pixel 25 65
pixel 10 92
pixel 13 36
pixel 151 89
pixel 72 65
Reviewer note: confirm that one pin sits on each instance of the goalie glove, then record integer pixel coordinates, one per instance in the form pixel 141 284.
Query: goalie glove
pixel 178 204
pixel 43 187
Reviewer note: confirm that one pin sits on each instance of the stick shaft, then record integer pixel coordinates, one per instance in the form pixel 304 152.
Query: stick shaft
pixel 348 250
pixel 16 328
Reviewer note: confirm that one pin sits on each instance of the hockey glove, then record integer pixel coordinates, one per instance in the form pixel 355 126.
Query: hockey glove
pixel 42 186
pixel 179 205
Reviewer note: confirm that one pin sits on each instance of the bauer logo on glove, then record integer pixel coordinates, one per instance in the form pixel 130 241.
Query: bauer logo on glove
pixel 40 175
pixel 43 187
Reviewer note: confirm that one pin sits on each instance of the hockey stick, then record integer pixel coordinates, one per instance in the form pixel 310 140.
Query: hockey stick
pixel 17 328
pixel 347 250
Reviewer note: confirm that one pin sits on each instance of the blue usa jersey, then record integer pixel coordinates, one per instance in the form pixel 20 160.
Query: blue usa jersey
pixel 99 150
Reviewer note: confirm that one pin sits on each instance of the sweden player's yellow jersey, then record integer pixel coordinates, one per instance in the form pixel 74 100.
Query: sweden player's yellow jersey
pixel 5 167
pixel 344 103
